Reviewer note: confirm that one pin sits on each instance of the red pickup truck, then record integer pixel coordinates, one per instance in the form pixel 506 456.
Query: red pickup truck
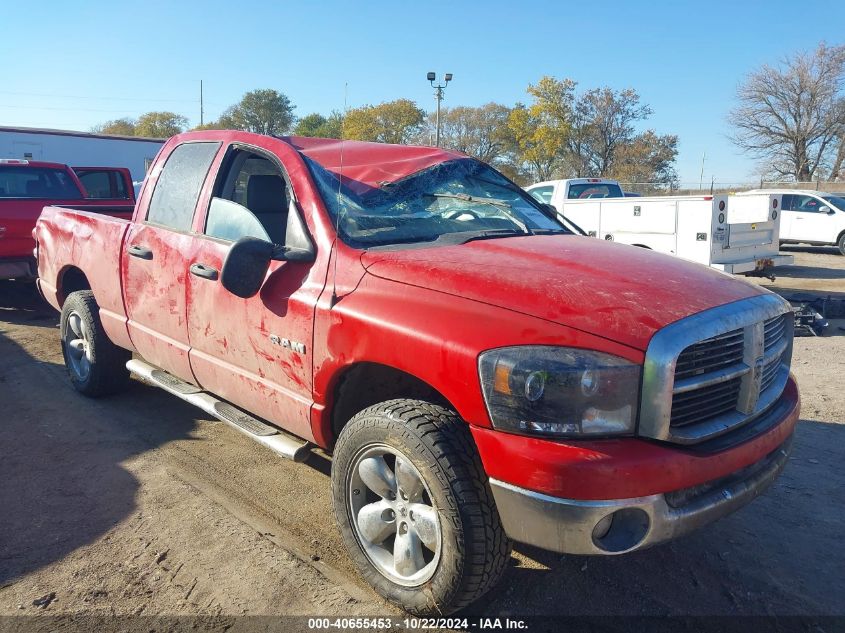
pixel 480 374
pixel 26 186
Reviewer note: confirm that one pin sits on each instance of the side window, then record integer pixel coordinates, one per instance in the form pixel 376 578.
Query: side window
pixel 96 184
pixel 119 185
pixel 805 203
pixel 786 202
pixel 179 184
pixel 251 198
pixel 543 194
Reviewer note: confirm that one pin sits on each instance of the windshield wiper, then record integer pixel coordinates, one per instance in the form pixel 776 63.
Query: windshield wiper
pixel 487 235
pixel 551 231
pixel 504 205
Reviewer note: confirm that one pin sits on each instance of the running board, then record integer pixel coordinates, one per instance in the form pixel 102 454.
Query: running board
pixel 276 440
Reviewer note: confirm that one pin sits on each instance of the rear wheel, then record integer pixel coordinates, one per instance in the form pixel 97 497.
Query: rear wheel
pixel 414 507
pixel 95 365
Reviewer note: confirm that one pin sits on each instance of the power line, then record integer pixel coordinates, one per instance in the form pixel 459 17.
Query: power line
pixel 41 94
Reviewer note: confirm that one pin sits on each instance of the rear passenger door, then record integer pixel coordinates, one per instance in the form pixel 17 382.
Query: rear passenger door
pixel 155 259
pixel 255 352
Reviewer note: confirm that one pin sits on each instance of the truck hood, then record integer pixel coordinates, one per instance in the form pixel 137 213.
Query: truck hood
pixel 622 293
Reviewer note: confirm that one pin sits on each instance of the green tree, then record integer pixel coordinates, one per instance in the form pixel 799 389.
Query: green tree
pixel 539 133
pixel 121 127
pixel 647 158
pixel 392 122
pixel 317 125
pixel 480 132
pixel 261 111
pixel 160 124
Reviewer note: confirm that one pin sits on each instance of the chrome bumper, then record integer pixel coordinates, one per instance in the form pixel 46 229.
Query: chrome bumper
pixel 574 526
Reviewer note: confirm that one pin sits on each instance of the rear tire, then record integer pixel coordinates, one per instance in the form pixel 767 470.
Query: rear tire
pixel 96 366
pixel 459 550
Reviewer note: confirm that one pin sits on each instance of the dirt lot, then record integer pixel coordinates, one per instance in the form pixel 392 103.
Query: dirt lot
pixel 137 504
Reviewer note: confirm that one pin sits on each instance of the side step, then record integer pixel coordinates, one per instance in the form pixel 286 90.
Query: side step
pixel 276 440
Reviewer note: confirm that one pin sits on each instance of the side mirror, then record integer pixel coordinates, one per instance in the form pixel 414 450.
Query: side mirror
pixel 246 266
pixel 826 209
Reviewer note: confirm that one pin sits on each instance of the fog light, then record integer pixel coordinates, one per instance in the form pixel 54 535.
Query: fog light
pixel 602 527
pixel 621 531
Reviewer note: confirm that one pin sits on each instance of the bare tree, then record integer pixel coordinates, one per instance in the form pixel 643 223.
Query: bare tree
pixel 608 124
pixel 793 116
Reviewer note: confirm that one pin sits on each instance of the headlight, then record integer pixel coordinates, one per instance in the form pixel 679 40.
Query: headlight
pixel 559 391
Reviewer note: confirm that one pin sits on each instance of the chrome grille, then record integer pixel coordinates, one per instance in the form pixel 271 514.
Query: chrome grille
pixel 714 353
pixel 709 374
pixel 707 402
pixel 716 371
pixel 774 330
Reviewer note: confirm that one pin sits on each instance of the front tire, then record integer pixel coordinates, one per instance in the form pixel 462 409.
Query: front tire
pixel 841 244
pixel 95 365
pixel 414 507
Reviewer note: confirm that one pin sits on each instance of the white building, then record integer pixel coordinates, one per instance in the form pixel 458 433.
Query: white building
pixel 80 149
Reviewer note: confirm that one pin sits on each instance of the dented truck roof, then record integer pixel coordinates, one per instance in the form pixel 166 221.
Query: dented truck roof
pixel 371 164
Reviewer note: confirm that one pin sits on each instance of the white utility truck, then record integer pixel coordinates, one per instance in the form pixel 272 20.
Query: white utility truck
pixel 736 234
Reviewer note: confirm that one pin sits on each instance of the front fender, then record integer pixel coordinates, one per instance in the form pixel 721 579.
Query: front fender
pixel 433 336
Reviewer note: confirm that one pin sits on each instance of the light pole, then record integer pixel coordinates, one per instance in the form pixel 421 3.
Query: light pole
pixel 438 95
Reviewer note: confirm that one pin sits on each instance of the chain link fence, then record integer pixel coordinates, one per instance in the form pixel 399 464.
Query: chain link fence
pixel 699 188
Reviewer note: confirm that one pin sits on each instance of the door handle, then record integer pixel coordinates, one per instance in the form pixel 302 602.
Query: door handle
pixel 206 272
pixel 141 252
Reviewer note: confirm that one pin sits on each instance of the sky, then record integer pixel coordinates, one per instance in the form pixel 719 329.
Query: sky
pixel 74 65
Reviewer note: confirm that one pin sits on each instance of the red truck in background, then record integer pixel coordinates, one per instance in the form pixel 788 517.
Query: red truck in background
pixel 480 373
pixel 27 186
pixel 106 183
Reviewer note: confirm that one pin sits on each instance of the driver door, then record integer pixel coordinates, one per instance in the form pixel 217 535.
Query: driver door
pixel 256 352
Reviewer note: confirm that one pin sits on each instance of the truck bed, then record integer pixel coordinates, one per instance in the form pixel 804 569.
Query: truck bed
pixel 71 239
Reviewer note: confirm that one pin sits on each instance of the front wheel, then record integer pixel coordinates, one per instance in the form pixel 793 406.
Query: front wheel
pixel 415 509
pixel 841 244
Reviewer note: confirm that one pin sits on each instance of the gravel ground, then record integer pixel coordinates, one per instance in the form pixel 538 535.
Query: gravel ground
pixel 138 504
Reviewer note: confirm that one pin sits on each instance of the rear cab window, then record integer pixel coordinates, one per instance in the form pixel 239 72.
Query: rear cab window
pixel 594 190
pixel 178 188
pixel 37 182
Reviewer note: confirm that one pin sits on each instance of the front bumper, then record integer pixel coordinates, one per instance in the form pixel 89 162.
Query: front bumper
pixel 575 526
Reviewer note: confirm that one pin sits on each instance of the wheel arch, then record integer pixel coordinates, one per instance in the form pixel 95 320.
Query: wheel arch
pixel 366 383
pixel 70 279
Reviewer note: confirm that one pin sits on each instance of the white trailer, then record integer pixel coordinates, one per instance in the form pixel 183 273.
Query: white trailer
pixel 80 149
pixel 735 234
